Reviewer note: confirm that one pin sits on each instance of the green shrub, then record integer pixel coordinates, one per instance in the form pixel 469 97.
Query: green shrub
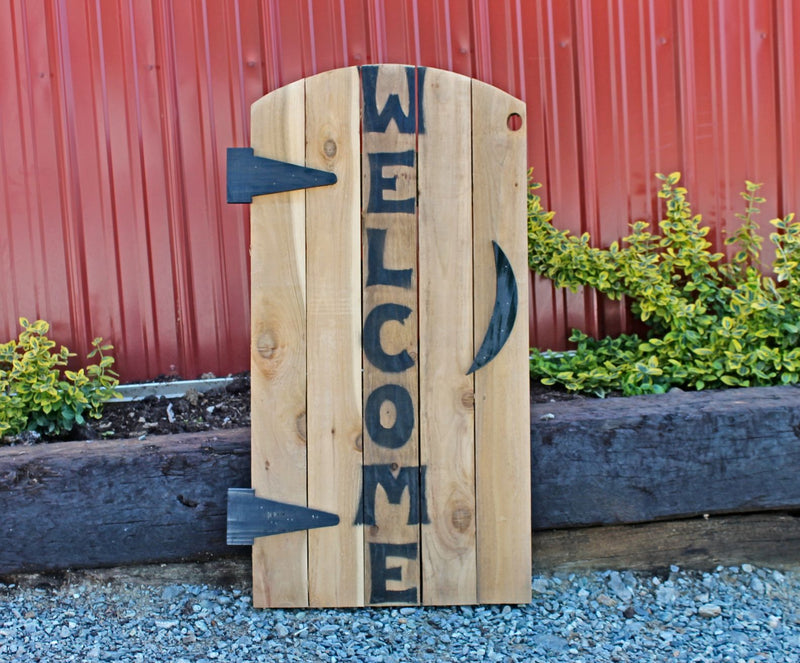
pixel 712 323
pixel 34 395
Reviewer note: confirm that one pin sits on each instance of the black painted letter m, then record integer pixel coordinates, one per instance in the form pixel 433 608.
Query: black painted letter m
pixel 408 478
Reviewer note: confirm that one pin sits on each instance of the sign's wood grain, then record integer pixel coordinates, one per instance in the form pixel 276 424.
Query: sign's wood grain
pixel 371 298
pixel 446 340
pixel 333 254
pixel 390 339
pixel 278 352
pixel 501 389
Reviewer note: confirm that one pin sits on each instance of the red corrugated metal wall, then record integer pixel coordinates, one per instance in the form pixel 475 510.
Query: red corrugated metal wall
pixel 115 114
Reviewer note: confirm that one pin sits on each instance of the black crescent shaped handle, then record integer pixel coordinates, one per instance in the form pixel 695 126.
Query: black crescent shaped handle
pixel 504 313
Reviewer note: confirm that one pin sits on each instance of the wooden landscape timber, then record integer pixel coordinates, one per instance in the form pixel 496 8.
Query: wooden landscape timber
pixel 681 454
pixel 650 458
pixel 767 539
pixel 107 503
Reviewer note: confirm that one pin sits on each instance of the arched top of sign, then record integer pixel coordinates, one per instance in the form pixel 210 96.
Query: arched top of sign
pixel 378 393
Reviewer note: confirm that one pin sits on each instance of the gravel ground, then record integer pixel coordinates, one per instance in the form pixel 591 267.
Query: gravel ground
pixel 738 614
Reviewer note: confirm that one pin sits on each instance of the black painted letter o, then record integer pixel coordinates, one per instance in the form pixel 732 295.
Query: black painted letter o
pixel 398 434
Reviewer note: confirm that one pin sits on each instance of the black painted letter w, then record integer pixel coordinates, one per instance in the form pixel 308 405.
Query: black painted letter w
pixel 377 122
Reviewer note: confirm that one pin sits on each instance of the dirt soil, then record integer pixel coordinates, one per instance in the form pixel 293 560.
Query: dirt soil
pixel 227 407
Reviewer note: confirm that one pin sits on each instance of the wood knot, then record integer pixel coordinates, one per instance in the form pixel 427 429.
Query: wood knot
pixel 461 519
pixel 359 444
pixel 468 399
pixel 266 345
pixel 187 502
pixel 300 425
pixel 330 148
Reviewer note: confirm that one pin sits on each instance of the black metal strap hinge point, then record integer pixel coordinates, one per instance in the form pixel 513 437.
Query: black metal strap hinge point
pixel 249 175
pixel 250 517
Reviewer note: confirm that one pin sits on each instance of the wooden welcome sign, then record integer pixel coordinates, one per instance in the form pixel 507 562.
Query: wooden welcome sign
pixel 380 400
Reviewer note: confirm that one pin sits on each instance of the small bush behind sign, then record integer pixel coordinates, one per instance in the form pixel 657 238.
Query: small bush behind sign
pixel 33 394
pixel 712 323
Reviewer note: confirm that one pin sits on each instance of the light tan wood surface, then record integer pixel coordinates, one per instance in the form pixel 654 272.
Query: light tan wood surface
pixel 446 340
pixel 377 288
pixel 400 253
pixel 278 356
pixel 502 424
pixel 333 253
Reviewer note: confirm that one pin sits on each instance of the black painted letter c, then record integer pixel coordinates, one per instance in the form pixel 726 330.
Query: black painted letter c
pixel 372 338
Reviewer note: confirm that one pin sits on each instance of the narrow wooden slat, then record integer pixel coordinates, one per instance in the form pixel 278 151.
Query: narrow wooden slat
pixel 333 250
pixel 399 252
pixel 446 343
pixel 502 422
pixel 278 352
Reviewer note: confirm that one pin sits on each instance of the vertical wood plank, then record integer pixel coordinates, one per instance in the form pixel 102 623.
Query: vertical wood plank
pixel 333 249
pixel 390 235
pixel 502 412
pixel 446 340
pixel 278 350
